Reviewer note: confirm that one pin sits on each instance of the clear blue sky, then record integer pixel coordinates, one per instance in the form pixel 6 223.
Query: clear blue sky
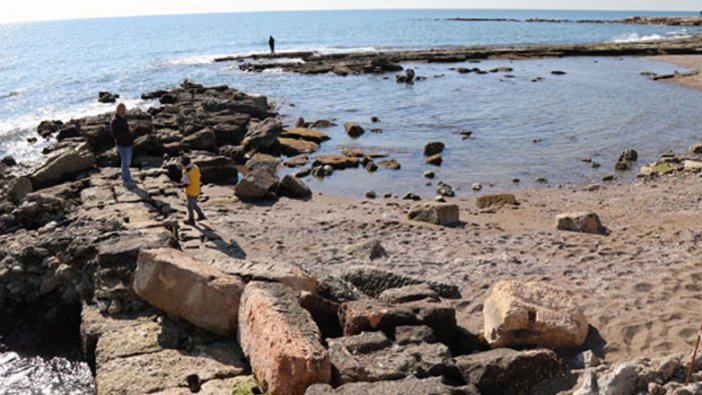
pixel 25 10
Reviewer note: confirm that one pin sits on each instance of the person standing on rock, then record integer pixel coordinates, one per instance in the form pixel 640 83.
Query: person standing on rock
pixel 271 44
pixel 124 139
pixel 191 185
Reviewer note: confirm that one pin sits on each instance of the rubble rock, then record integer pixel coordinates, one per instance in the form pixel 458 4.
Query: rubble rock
pixel 436 213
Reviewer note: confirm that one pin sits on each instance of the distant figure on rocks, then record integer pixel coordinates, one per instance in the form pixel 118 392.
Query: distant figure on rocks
pixel 271 44
pixel 124 139
pixel 191 184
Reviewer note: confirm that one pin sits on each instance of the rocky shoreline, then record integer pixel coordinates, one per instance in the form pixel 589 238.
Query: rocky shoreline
pixel 635 20
pixel 264 295
pixel 344 64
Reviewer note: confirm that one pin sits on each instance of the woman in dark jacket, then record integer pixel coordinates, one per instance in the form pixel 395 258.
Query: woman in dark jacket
pixel 124 139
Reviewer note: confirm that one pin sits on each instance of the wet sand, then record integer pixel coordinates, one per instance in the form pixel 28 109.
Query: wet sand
pixel 692 62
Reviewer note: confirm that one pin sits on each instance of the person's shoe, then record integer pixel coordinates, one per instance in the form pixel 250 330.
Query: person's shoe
pixel 190 222
pixel 201 218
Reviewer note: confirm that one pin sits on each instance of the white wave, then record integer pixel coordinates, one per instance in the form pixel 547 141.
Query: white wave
pixel 30 121
pixel 193 60
pixel 636 37
pixel 13 93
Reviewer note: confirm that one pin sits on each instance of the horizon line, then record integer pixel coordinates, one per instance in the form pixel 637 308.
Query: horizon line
pixel 88 18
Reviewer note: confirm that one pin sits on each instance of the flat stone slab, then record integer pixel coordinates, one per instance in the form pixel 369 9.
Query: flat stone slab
pixel 149 373
pixel 408 386
pixel 186 288
pixel 281 340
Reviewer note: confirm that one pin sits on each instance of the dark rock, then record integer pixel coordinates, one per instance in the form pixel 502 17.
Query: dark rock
pixel 505 371
pixel 212 168
pixel 353 129
pixel 256 184
pixel 414 334
pixel 324 312
pixel 408 78
pixel 67 132
pixel 433 148
pixel 236 153
pixel 9 161
pixel 373 281
pixel 371 315
pixel 558 72
pixel 263 136
pixel 204 139
pixel 419 360
pixel 107 97
pixel 338 290
pixel 445 190
pixel 47 128
pixel 293 188
pixel 18 188
pixel 411 196
pixel 322 124
pixel 371 167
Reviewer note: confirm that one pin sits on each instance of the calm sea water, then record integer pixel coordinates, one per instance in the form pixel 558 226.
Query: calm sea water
pixel 53 70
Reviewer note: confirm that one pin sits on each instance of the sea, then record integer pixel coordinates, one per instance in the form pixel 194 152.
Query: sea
pixel 521 129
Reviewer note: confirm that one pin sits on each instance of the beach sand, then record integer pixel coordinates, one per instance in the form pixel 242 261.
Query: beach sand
pixel 641 286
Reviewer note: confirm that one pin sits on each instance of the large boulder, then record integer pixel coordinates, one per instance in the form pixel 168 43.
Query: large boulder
pixel 281 340
pixel 294 188
pixel 436 213
pixel 189 289
pixel 263 136
pixel 18 188
pixel 506 371
pixel 62 165
pixel 204 139
pixel 256 185
pixel 98 135
pixel 532 314
pixel 584 222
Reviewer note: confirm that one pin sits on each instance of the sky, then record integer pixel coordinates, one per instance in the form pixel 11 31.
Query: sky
pixel 30 10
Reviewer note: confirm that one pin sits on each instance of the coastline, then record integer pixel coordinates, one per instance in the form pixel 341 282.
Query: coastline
pixel 693 62
pixel 625 281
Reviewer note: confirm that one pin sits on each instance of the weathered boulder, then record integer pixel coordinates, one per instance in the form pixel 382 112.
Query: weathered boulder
pixel 256 184
pixel 584 222
pixel 293 147
pixel 305 134
pixel 281 340
pixel 189 289
pixel 435 213
pixel 445 190
pixel 433 148
pixel 235 153
pixel 204 139
pixel 8 161
pixel 62 165
pixel 47 128
pixel 373 282
pixel 263 136
pixel 506 371
pixel 294 188
pixel 353 129
pixel 532 314
pixel 406 386
pixel 18 188
pixel 373 359
pixel 692 165
pixel 495 200
pixel 297 161
pixel 263 161
pixel 695 149
pixel 322 124
pixel 98 135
